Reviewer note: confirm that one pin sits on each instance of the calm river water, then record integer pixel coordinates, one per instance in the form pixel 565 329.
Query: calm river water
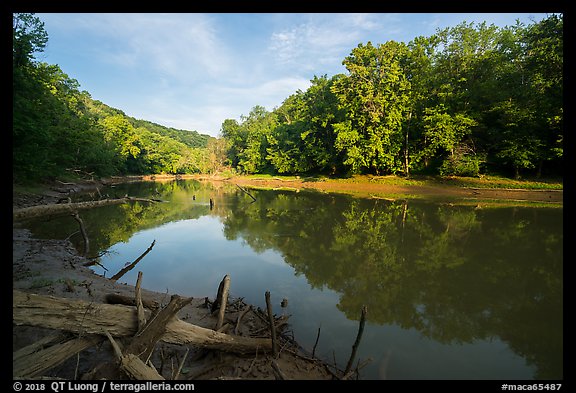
pixel 452 291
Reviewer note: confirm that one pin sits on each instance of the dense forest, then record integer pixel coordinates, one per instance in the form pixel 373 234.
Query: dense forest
pixel 468 100
pixel 465 101
pixel 59 129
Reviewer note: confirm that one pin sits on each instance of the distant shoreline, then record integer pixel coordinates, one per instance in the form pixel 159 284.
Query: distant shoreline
pixel 463 190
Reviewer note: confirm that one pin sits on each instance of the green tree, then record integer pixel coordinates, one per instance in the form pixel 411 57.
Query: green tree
pixel 375 98
pixel 28 37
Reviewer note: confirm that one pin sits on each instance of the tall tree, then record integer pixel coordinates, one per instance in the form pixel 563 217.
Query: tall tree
pixel 375 97
pixel 28 37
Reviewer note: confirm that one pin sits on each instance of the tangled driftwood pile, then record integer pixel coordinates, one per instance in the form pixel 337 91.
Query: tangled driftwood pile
pixel 135 332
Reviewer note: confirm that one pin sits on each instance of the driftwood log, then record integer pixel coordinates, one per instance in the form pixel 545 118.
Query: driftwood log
pixel 56 209
pixel 33 360
pixel 120 321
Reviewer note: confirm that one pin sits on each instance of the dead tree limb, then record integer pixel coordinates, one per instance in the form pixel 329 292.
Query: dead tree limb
pixel 272 327
pixel 357 342
pixel 114 298
pixel 131 266
pixel 37 358
pixel 91 318
pixel 139 305
pixel 244 312
pixel 143 344
pixel 279 374
pixel 83 232
pixel 181 364
pixel 247 193
pixel 316 343
pixel 357 369
pixel 222 300
pixel 132 365
pixel 55 209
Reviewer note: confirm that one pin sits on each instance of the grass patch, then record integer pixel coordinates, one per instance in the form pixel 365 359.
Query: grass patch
pixel 501 182
pixel 420 180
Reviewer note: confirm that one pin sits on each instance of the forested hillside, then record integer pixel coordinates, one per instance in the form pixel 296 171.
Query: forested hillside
pixel 466 101
pixel 58 128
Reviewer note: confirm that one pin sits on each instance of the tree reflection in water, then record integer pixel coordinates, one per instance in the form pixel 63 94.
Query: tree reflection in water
pixel 455 273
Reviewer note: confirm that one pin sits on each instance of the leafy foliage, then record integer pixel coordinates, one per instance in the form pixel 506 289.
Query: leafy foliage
pixel 58 128
pixel 463 101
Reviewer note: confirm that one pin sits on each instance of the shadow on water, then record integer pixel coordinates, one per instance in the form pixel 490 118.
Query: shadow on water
pixel 458 276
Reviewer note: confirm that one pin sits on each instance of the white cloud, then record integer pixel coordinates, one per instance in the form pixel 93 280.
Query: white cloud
pixel 193 71
pixel 183 46
pixel 320 42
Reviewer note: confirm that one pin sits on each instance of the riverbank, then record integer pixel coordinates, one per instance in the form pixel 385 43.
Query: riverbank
pixel 467 190
pixel 391 187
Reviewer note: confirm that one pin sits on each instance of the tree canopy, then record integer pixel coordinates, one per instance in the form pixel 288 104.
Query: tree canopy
pixel 468 100
pixel 59 128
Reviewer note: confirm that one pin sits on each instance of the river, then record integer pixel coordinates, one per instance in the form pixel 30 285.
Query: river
pixel 452 291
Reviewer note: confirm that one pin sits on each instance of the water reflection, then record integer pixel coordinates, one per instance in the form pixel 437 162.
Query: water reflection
pixel 457 275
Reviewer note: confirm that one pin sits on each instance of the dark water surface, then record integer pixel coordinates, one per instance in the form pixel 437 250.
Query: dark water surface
pixel 452 292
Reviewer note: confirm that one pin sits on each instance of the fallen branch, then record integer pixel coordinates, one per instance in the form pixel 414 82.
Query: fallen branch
pixel 357 342
pixel 54 209
pixel 83 232
pixel 272 327
pixel 316 343
pixel 143 344
pixel 131 266
pixel 357 369
pixel 247 193
pixel 181 365
pixel 113 298
pixel 121 321
pixel 139 305
pixel 132 365
pixel 244 312
pixel 278 372
pixel 47 353
pixel 222 300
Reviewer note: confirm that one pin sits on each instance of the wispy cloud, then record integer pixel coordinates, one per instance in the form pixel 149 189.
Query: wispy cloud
pixel 193 71
pixel 185 46
pixel 319 40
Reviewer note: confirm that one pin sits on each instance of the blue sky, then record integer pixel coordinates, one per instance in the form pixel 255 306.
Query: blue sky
pixel 193 71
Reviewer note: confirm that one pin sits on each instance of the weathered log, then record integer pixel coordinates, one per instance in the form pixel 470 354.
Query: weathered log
pixel 49 352
pixel 55 209
pixel 223 300
pixel 145 341
pixel 114 298
pixel 92 318
pixel 131 266
pixel 139 305
pixel 137 369
pixel 133 366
